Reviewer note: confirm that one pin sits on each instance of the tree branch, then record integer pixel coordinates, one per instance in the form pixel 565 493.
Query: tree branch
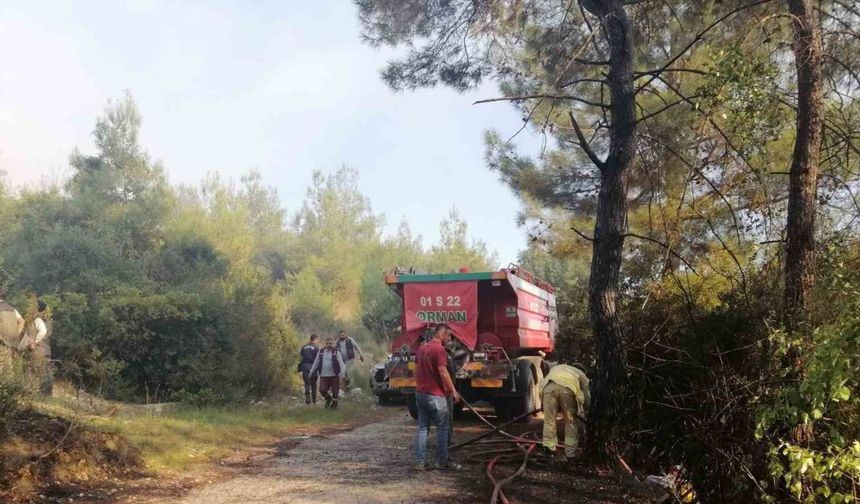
pixel 662 109
pixel 578 81
pixel 698 37
pixel 661 70
pixel 545 97
pixel 581 234
pixel 590 62
pixel 665 246
pixel 584 143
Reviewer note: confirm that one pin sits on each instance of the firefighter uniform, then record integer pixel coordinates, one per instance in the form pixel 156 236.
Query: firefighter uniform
pixel 565 391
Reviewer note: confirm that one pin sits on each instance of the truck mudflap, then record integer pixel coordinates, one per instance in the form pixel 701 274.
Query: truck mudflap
pixel 486 374
pixel 487 383
pixel 401 383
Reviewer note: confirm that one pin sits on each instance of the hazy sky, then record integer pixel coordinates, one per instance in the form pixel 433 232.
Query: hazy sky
pixel 283 87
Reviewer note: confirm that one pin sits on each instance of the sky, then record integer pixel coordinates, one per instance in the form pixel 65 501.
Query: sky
pixel 281 87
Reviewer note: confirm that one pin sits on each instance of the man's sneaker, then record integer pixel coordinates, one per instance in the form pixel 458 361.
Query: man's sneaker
pixel 449 466
pixel 421 466
pixel 334 404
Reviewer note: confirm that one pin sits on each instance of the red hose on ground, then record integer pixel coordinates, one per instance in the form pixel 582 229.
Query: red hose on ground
pixel 497 485
pixel 522 443
pixel 517 439
pixel 490 468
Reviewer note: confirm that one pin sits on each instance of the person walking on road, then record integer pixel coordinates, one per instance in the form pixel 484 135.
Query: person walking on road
pixel 308 356
pixel 565 390
pixel 330 367
pixel 433 384
pixel 348 349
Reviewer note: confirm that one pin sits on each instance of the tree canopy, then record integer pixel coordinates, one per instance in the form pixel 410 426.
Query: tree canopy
pixel 677 138
pixel 201 293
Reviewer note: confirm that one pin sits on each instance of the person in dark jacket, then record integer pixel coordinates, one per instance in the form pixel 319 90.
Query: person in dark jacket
pixel 348 349
pixel 308 356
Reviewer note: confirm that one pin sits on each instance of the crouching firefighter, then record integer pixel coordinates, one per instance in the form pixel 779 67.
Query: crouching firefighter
pixel 329 365
pixel 565 391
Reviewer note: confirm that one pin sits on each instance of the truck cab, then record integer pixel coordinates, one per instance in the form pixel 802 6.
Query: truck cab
pixel 503 324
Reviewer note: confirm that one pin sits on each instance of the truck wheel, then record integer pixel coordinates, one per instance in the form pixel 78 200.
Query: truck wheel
pixel 510 407
pixel 520 405
pixel 412 406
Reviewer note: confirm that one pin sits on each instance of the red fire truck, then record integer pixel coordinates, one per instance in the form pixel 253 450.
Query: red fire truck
pixel 503 323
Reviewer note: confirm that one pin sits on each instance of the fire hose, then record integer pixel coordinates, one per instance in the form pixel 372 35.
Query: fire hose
pixel 524 444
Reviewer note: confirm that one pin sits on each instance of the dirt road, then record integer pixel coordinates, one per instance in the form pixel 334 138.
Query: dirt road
pixel 371 464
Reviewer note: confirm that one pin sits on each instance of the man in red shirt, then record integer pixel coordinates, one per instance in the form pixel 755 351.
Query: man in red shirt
pixel 432 384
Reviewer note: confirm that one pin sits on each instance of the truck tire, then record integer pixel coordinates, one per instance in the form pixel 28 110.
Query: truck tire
pixel 412 406
pixel 510 407
pixel 522 404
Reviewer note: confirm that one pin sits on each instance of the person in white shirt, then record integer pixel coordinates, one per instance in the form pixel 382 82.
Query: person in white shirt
pixel 329 364
pixel 37 340
pixel 41 337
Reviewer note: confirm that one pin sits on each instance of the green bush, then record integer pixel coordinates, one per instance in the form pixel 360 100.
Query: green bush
pixel 11 389
pixel 825 403
pixel 708 389
pixel 201 294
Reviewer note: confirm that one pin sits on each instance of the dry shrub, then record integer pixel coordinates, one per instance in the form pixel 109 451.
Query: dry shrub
pixel 55 457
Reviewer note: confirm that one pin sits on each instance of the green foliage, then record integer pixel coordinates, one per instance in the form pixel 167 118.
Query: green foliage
pixel 312 304
pixel 336 233
pixel 699 288
pixel 824 403
pixel 155 292
pixel 568 273
pixel 743 91
pixel 11 390
pixel 200 293
pixel 380 307
pixel 454 250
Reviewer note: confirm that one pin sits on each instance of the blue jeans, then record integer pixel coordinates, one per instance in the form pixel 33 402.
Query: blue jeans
pixel 432 410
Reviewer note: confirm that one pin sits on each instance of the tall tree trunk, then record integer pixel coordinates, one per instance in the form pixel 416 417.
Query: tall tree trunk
pixel 611 226
pixel 802 191
pixel 803 178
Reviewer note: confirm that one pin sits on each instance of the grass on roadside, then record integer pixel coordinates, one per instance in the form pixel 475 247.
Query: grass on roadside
pixel 178 440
